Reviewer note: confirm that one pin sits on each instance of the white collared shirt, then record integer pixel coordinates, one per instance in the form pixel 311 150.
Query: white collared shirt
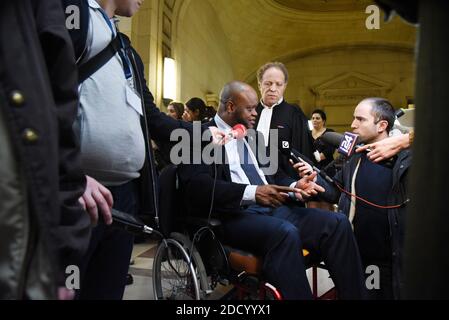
pixel 265 120
pixel 237 173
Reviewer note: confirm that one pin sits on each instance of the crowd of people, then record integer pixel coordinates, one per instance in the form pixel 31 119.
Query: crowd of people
pixel 81 135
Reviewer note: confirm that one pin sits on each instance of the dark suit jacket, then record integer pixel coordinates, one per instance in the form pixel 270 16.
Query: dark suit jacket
pixel 291 122
pixel 197 183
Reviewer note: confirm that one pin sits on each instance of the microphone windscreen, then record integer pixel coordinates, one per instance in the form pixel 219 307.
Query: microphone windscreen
pixel 399 113
pixel 332 138
pixel 344 142
pixel 239 131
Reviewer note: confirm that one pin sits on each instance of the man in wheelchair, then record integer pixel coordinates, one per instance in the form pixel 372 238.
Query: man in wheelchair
pixel 258 214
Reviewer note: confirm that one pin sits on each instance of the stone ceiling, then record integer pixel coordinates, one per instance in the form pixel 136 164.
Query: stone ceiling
pixel 262 30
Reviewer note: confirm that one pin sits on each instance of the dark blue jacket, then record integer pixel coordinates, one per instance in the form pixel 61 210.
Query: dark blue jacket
pixel 396 217
pixel 197 181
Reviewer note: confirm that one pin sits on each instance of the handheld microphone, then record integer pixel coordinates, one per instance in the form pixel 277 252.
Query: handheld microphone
pixel 399 113
pixel 406 124
pixel 130 223
pixel 297 157
pixel 219 138
pixel 238 132
pixel 346 143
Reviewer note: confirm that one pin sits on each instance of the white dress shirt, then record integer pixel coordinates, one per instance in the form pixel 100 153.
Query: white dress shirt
pixel 237 173
pixel 265 120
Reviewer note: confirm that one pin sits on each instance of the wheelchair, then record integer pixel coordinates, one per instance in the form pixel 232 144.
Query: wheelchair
pixel 191 262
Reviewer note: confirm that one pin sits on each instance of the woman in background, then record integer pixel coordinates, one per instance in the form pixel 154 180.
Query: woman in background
pixel 162 149
pixel 175 110
pixel 324 153
pixel 195 110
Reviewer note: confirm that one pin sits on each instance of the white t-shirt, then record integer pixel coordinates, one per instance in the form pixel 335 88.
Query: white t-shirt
pixel 112 141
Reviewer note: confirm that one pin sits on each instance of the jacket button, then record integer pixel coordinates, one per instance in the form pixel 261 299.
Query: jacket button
pixel 17 98
pixel 29 135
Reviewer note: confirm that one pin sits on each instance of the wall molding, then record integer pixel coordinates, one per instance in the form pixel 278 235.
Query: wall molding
pixel 312 51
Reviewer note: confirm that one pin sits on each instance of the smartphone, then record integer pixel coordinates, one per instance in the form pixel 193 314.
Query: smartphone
pixel 298 159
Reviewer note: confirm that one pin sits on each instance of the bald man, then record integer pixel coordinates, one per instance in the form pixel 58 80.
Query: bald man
pixel 258 215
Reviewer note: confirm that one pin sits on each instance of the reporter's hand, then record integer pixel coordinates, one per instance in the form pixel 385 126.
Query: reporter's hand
pixel 97 197
pixel 308 187
pixel 218 137
pixel 303 168
pixel 386 148
pixel 273 195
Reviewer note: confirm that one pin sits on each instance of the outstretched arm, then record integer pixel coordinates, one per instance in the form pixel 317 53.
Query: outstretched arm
pixel 388 147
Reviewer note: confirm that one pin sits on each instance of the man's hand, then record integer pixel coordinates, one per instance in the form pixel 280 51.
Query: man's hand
pixel 187 117
pixel 303 168
pixel 273 195
pixel 307 187
pixel 218 137
pixel 97 197
pixel 386 148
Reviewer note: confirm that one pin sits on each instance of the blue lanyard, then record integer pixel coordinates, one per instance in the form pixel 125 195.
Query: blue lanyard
pixel 125 60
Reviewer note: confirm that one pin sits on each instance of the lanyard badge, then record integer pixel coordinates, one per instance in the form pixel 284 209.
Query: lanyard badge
pixel 125 59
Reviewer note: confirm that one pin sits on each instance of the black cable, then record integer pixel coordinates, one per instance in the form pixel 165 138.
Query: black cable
pixel 197 235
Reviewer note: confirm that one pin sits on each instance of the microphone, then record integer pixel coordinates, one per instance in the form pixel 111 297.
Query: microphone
pixel 406 124
pixel 219 138
pixel 297 157
pixel 399 113
pixel 130 223
pixel 238 132
pixel 346 143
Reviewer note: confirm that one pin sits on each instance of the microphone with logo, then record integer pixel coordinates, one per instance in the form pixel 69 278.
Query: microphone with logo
pixel 347 143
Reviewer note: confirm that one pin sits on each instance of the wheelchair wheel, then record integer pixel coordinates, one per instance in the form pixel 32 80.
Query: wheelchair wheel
pixel 174 276
pixel 197 262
